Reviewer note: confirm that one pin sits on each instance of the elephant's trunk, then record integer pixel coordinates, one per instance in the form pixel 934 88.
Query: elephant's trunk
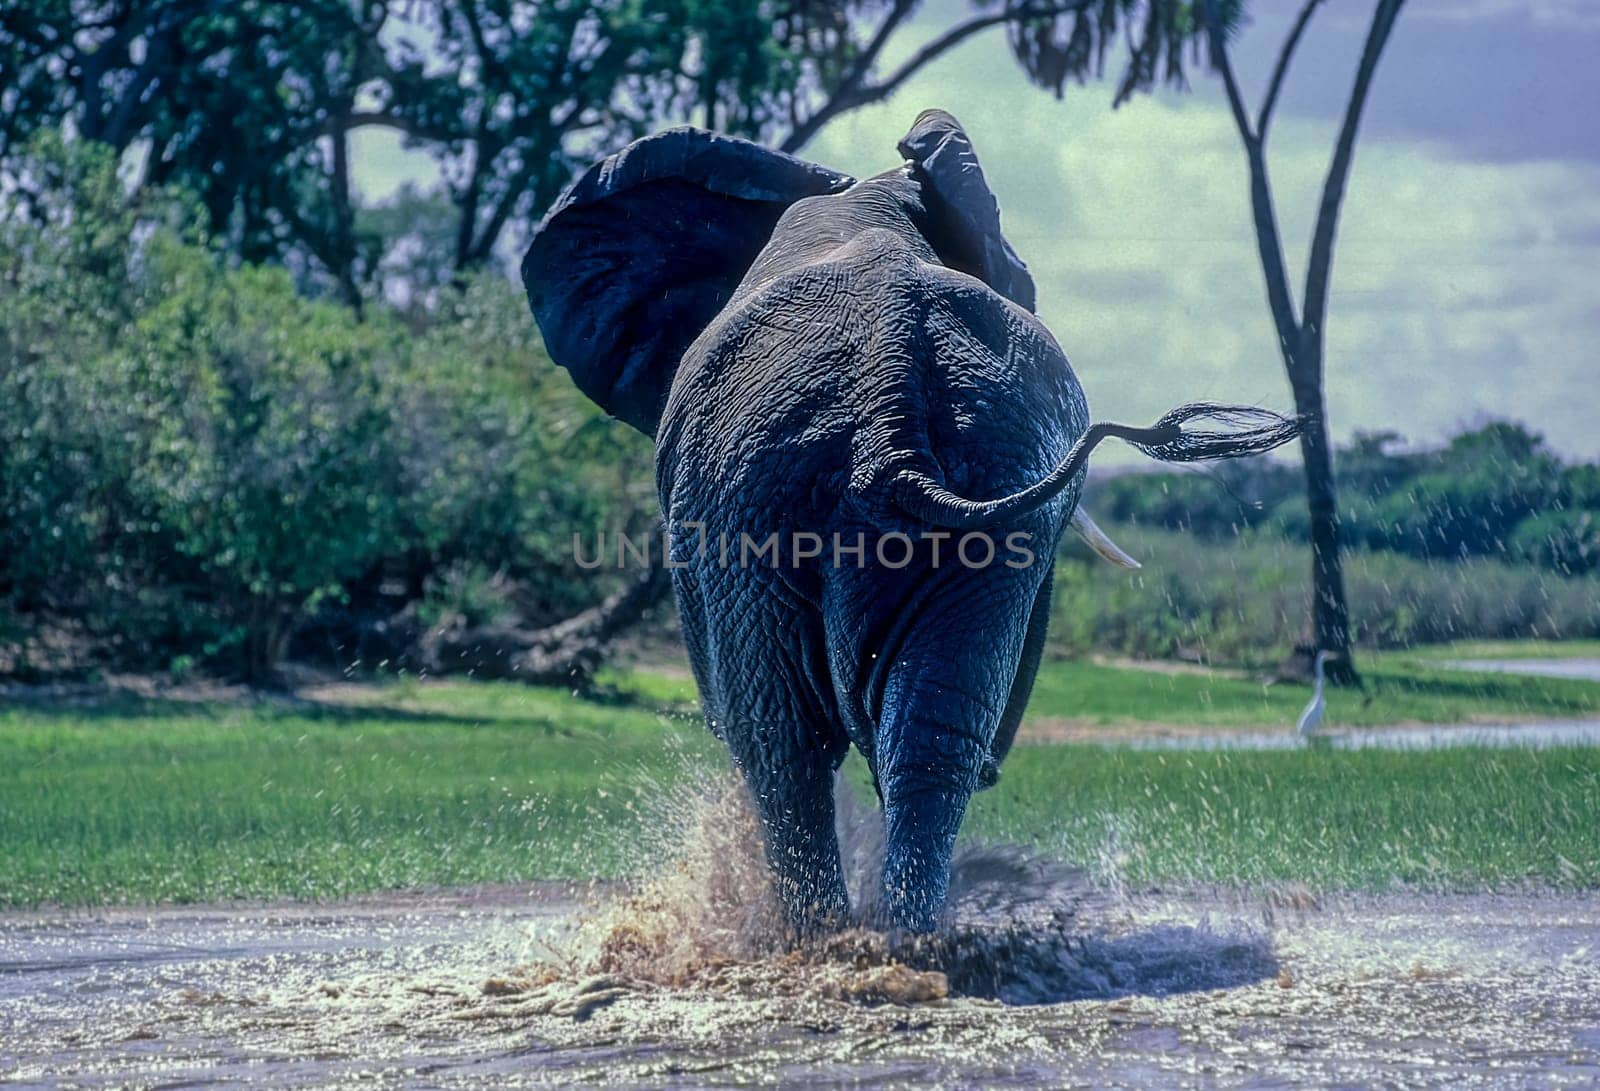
pixel 1252 431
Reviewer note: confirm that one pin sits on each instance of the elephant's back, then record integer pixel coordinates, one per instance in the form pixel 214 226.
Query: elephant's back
pixel 813 388
pixel 998 405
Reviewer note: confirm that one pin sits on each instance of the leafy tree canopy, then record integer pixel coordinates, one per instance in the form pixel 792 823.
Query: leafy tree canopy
pixel 250 104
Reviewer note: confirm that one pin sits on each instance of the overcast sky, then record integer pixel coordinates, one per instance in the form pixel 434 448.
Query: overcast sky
pixel 1465 281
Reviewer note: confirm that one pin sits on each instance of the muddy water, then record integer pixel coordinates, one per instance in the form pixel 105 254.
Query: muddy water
pixel 684 979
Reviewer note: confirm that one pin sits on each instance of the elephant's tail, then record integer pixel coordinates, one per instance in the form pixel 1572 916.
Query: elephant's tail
pixel 1244 430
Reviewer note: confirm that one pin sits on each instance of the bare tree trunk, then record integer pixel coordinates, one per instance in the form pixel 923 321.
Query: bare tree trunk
pixel 1330 616
pixel 1301 337
pixel 266 643
pixel 567 653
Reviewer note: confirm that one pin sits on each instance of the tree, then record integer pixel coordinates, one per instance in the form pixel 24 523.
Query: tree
pixel 1055 50
pixel 239 104
pixel 252 105
pixel 1301 337
pixel 196 460
pixel 193 447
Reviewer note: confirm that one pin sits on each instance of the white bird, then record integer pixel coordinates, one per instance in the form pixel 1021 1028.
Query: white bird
pixel 1311 718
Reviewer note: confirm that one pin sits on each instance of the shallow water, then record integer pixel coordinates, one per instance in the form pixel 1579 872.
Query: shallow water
pixel 1459 991
pixel 1038 978
pixel 1539 733
pixel 1583 669
pixel 1536 734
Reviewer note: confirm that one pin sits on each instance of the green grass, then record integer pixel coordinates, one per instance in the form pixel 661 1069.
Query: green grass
pixel 405 785
pixel 1368 819
pixel 1401 688
pixel 449 784
pixel 1509 649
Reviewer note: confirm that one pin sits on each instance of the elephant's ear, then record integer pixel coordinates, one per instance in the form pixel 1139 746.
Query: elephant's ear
pixel 641 253
pixel 966 215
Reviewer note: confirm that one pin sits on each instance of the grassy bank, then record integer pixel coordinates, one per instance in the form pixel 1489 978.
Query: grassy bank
pixel 156 801
pixel 1413 686
pixel 398 786
pixel 1400 688
pixel 1507 649
pixel 1244 600
pixel 1369 819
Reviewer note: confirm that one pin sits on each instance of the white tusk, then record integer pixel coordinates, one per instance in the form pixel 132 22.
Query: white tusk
pixel 1099 542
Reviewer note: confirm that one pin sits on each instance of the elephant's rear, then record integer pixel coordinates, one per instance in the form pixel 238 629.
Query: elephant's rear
pixel 790 417
pixel 803 400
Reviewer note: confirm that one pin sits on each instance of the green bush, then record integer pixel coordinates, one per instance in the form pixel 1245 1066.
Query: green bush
pixel 1240 600
pixel 501 458
pixel 194 458
pixel 1496 491
pixel 1217 502
pixel 1566 540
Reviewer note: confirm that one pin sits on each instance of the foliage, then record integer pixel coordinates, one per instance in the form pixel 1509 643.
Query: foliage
pixel 1567 540
pixel 251 106
pixel 1495 491
pixel 1071 46
pixel 197 457
pixel 1239 599
pixel 1216 502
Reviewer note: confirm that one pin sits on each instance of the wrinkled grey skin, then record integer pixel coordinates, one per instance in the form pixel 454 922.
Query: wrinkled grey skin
pixel 848 352
pixel 822 356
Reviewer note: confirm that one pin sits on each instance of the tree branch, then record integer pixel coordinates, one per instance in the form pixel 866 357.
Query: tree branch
pixel 1319 268
pixel 119 130
pixel 482 245
pixel 848 95
pixel 862 68
pixel 566 653
pixel 549 185
pixel 388 119
pixel 93 64
pixel 476 245
pixel 1269 240
pixel 1269 249
pixel 1219 61
pixel 1264 118
pixel 344 220
pixel 486 56
pixel 468 199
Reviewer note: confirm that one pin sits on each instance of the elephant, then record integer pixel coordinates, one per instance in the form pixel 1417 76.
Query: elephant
pixel 827 365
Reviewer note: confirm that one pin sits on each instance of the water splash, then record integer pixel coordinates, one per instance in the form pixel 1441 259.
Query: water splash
pixel 706 918
pixel 505 985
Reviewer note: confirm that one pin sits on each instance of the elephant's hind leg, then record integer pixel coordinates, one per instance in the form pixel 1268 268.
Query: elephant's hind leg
pixel 934 742
pixel 779 730
pixel 792 790
pixel 943 700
